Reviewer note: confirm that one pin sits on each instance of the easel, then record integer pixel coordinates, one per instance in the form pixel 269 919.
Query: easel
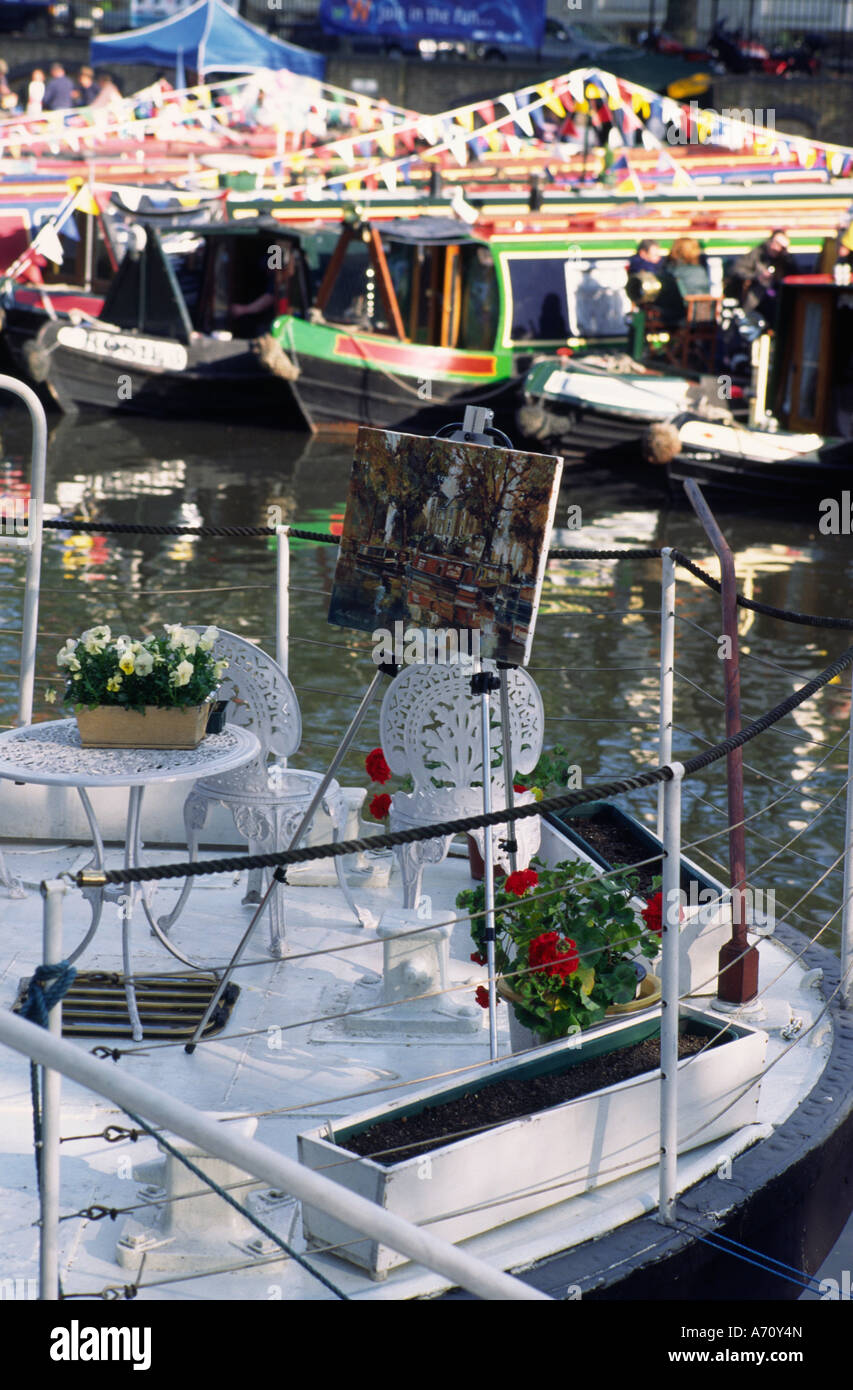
pixel 476 428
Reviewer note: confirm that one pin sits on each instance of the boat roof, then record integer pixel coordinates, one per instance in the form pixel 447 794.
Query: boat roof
pixel 428 231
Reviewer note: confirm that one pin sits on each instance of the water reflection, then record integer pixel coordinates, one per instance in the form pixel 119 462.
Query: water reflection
pixel 597 672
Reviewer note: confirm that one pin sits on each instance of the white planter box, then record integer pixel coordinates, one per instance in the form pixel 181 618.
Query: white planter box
pixel 488 1179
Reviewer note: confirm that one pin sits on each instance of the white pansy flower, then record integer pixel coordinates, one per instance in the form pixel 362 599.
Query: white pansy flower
pixel 219 669
pixel 127 663
pixel 183 673
pixel 176 635
pixel 207 639
pixel 123 642
pixel 190 640
pixel 65 655
pixel 144 662
pixel 94 639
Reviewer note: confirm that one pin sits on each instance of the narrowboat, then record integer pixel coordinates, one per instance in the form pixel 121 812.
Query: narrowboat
pixel 178 334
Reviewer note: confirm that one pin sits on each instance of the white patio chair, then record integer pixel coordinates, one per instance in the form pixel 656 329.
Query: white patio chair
pixel 266 800
pixel 431 730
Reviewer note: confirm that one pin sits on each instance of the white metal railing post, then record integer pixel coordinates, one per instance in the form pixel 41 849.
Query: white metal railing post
pixel 53 891
pixel 488 858
pixel 282 597
pixel 458 1266
pixel 670 994
pixel 667 669
pixel 32 544
pixel 847 890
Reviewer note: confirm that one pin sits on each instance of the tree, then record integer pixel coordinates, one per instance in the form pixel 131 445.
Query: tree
pixel 497 484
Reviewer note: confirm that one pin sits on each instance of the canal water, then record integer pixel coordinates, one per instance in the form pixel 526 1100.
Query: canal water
pixel 595 653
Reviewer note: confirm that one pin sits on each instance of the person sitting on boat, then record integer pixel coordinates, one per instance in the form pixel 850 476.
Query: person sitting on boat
pixel 684 272
pixel 257 316
pixel 756 275
pixel 647 257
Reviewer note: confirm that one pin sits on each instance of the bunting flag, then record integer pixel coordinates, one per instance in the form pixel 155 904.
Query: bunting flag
pixel 46 243
pixel 86 202
pixel 627 179
pixel 550 98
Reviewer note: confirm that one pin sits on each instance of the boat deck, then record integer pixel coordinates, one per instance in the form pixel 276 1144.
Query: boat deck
pixel 294 1079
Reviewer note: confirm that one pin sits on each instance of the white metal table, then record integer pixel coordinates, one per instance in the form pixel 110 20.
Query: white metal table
pixel 50 754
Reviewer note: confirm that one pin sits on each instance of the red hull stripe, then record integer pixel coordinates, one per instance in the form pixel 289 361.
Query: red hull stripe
pixel 418 359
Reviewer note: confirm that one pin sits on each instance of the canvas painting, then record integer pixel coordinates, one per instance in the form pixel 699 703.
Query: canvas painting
pixel 444 539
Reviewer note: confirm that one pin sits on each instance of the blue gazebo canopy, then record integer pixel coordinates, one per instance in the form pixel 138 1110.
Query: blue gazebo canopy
pixel 208 37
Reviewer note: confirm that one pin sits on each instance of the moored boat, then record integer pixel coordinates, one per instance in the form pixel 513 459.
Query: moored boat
pixel 161 344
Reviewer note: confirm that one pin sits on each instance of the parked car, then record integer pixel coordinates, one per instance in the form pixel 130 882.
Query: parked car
pixel 570 45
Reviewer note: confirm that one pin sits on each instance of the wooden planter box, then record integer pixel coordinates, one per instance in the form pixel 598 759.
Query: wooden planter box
pixel 532 1163
pixel 113 726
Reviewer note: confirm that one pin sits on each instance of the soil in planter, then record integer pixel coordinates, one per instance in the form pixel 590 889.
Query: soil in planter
pixel 393 1140
pixel 617 846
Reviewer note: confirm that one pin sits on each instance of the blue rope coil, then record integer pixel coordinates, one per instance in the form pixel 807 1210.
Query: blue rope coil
pixel 42 995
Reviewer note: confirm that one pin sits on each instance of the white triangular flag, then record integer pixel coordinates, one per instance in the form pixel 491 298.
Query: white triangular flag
pixel 47 243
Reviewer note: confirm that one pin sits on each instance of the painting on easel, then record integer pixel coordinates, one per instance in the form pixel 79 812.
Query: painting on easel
pixel 445 535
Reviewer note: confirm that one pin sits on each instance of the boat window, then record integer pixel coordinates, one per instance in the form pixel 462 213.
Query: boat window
pixel 400 257
pixel 480 300
pixel 540 311
pixel 186 253
pixel 355 297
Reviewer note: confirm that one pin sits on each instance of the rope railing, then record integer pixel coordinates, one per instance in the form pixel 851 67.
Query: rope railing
pixel 596 792
pixel 127 528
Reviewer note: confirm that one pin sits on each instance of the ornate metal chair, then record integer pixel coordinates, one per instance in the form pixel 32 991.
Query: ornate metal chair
pixel 430 729
pixel 266 799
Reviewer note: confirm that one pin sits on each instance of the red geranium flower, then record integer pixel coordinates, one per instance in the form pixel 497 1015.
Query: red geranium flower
pixel 380 806
pixel 652 914
pixel 376 767
pixel 517 787
pixel 482 996
pixel 477 958
pixel 519 882
pixel 543 954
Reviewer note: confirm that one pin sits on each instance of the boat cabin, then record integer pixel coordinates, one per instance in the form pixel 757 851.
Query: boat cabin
pixel 811 388
pixel 216 281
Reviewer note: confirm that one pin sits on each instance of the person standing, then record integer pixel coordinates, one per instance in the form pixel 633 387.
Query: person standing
pixel 35 92
pixel 59 93
pixel 109 97
pixel 85 90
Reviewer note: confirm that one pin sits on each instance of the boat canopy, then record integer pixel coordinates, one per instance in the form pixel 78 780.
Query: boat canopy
pixel 427 231
pixel 144 295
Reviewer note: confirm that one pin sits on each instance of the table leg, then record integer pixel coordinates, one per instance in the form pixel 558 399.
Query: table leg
pixel 133 859
pixel 131 855
pixel 94 896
